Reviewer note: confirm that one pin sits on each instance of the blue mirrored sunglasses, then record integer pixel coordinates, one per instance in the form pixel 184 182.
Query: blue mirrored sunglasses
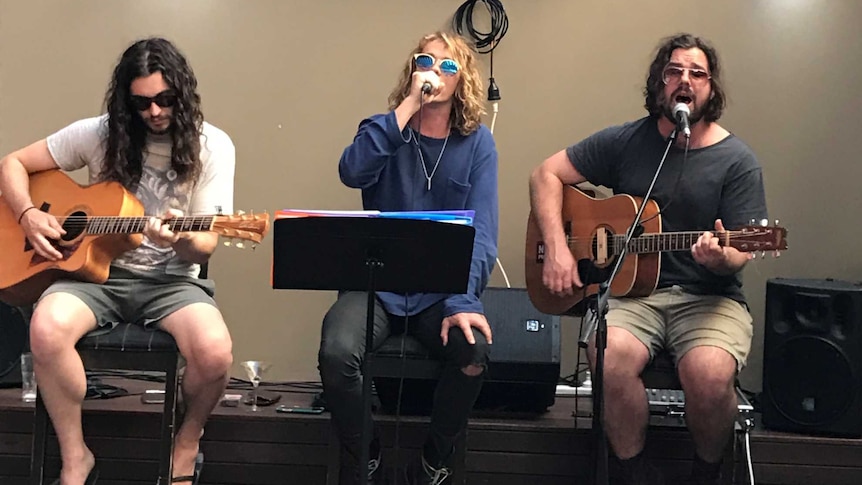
pixel 425 62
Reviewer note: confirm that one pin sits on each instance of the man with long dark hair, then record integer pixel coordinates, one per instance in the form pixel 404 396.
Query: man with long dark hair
pixel 698 312
pixel 154 141
pixel 455 168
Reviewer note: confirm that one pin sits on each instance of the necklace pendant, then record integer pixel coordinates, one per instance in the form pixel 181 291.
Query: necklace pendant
pixel 429 184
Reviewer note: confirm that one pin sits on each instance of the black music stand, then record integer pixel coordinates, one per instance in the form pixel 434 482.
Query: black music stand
pixel 371 254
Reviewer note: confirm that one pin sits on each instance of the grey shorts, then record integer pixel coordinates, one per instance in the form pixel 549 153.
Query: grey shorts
pixel 132 298
pixel 678 321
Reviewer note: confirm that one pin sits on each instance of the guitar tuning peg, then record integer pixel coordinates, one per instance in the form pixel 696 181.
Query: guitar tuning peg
pixel 776 222
pixel 751 222
pixel 240 213
pixel 762 254
pixel 240 245
pixel 227 243
pixel 777 254
pixel 764 222
pixel 254 246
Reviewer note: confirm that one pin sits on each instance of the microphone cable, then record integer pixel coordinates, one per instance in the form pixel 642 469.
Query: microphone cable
pixel 675 185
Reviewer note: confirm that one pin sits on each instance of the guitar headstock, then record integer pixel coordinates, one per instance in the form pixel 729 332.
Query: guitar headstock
pixel 251 227
pixel 759 237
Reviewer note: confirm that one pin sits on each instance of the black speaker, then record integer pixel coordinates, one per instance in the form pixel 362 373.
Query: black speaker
pixel 524 365
pixel 13 342
pixel 812 357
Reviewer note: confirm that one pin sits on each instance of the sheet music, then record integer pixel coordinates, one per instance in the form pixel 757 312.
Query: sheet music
pixel 464 217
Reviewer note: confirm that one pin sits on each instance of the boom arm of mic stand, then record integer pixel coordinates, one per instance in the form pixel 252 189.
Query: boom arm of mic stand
pixel 600 474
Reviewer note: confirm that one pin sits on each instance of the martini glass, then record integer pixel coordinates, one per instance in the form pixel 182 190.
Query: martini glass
pixel 255 369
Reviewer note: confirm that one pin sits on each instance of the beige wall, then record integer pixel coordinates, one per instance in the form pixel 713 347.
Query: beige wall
pixel 289 80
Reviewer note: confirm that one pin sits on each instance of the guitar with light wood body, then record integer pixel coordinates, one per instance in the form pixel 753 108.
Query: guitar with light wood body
pixel 102 221
pixel 595 232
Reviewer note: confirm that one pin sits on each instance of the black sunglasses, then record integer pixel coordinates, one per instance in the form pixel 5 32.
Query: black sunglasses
pixel 165 99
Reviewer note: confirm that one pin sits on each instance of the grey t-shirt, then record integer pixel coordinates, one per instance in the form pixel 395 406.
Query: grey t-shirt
pixel 722 181
pixel 81 144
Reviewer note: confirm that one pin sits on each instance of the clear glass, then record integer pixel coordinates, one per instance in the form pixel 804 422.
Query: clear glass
pixel 28 378
pixel 255 370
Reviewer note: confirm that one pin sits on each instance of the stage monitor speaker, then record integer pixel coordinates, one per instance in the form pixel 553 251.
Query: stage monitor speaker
pixel 13 342
pixel 524 365
pixel 812 357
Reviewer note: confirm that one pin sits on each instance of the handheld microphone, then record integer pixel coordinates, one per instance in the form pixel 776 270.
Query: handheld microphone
pixel 681 114
pixel 426 87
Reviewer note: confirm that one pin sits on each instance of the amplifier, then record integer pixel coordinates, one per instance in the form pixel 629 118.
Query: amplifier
pixel 667 406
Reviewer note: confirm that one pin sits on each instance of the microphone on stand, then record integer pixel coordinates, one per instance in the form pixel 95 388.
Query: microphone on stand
pixel 681 114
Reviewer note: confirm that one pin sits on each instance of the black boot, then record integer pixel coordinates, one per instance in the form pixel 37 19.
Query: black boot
pixel 705 473
pixel 638 470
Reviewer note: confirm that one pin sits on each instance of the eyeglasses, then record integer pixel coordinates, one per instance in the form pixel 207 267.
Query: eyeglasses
pixel 165 99
pixel 673 74
pixel 424 62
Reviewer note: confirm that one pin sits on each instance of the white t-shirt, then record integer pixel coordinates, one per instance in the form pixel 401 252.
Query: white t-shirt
pixel 81 144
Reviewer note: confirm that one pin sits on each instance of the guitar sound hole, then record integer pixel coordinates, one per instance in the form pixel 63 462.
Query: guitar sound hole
pixel 74 225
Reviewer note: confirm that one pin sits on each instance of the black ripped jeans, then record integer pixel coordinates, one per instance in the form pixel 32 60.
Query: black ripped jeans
pixel 342 348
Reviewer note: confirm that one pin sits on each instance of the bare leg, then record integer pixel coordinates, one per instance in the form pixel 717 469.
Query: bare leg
pixel 625 405
pixel 58 322
pixel 707 375
pixel 204 341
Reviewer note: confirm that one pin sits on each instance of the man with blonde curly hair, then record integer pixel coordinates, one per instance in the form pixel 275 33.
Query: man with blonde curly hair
pixel 429 152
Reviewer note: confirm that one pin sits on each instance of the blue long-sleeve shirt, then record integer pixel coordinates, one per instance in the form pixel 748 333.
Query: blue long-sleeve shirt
pixel 388 170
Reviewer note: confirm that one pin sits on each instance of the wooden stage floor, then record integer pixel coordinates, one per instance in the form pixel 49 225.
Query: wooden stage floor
pixel 267 448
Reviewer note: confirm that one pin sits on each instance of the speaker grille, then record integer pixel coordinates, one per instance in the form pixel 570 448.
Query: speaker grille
pixel 812 379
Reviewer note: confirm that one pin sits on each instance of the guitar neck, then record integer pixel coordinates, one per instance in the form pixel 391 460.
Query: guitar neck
pixel 133 225
pixel 660 242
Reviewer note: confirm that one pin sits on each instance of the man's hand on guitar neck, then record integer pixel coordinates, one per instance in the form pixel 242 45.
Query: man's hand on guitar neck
pixel 41 229
pixel 713 256
pixel 560 272
pixel 159 232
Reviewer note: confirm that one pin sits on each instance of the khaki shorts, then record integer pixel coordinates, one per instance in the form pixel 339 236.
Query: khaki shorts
pixel 678 321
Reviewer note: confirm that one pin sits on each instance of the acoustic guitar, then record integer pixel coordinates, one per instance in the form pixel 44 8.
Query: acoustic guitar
pixel 101 221
pixel 595 232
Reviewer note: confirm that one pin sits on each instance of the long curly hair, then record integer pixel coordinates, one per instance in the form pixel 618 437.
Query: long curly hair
pixel 654 85
pixel 467 106
pixel 127 131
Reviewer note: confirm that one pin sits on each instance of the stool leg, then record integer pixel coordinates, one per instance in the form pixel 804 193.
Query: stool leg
pixel 166 447
pixel 40 438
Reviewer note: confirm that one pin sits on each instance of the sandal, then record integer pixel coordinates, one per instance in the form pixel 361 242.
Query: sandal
pixel 199 464
pixel 92 477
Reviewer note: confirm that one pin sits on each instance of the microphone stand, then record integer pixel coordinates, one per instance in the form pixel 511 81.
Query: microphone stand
pixel 600 473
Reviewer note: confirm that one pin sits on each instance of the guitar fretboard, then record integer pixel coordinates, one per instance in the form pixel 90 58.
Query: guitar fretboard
pixel 653 243
pixel 132 225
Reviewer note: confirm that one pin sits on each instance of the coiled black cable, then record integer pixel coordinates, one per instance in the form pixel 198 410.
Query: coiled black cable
pixel 463 20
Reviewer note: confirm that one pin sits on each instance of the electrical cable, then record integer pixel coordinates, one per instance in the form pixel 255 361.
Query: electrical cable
pixel 485 43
